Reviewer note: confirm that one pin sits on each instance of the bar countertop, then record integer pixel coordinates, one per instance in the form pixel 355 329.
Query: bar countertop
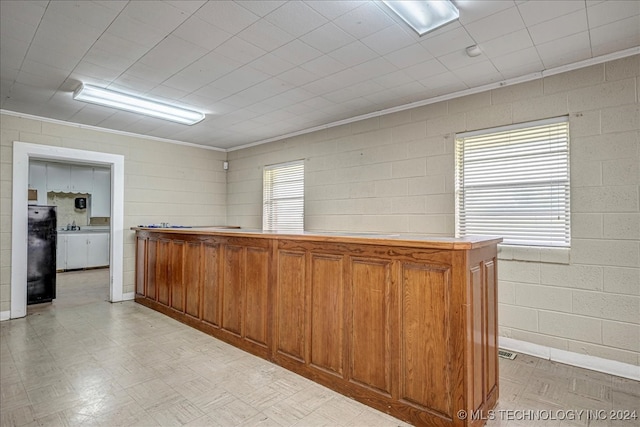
pixel 406 240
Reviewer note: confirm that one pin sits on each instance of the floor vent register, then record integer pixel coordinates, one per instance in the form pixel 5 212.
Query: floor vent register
pixel 505 354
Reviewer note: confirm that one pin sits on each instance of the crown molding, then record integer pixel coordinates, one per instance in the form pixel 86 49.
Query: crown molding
pixel 106 130
pixel 509 82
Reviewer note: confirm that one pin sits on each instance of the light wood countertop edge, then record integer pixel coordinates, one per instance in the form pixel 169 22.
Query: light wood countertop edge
pixel 449 243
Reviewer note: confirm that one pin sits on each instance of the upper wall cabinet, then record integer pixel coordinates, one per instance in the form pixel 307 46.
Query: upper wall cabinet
pixel 38 181
pixel 101 195
pixel 81 179
pixel 58 176
pixel 66 178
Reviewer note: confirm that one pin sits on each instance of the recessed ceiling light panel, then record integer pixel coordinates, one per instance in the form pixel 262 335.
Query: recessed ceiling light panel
pixel 135 104
pixel 424 16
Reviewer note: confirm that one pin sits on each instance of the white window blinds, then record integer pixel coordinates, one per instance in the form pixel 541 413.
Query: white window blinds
pixel 513 182
pixel 283 197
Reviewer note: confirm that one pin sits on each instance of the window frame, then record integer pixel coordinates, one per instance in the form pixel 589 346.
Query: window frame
pixel 271 185
pixel 486 188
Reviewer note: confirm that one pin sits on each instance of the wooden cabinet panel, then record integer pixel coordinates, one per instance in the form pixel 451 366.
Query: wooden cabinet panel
pixel 370 358
pixel 409 330
pixel 290 305
pixel 176 269
pixel 425 332
pixel 257 287
pixel 151 267
pixel 192 270
pixel 491 312
pixel 210 285
pixel 327 313
pixel 232 289
pixel 162 272
pixel 477 327
pixel 141 247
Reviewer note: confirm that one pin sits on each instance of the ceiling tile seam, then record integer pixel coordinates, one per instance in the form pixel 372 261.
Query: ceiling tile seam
pixel 172 33
pixel 526 27
pixel 160 41
pixel 194 92
pixel 29 48
pixel 496 85
pixel 260 18
pixel 586 7
pixel 535 46
pixel 533 76
pixel 298 38
pixel 80 61
pixel 475 42
pixel 142 56
pixel 554 16
pixel 248 64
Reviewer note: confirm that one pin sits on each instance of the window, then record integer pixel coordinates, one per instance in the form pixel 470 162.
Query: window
pixel 283 197
pixel 514 182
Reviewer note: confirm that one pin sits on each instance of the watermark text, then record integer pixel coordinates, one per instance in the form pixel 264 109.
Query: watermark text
pixel 550 415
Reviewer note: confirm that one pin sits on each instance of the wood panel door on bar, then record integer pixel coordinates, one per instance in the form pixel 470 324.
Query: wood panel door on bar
pixel 219 286
pixel 373 326
pixel 410 331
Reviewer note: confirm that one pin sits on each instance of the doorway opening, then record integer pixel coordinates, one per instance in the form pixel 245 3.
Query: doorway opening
pixel 22 153
pixel 81 195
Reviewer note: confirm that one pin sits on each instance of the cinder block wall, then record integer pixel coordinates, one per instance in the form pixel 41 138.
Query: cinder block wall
pixel 395 174
pixel 163 183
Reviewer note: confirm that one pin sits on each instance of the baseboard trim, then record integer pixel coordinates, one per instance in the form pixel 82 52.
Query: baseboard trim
pixel 128 296
pixel 594 363
pixel 5 315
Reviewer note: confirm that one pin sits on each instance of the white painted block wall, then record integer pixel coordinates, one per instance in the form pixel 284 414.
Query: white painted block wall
pixel 164 182
pixel 395 174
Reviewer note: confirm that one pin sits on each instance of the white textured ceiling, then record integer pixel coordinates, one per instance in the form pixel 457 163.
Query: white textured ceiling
pixel 262 69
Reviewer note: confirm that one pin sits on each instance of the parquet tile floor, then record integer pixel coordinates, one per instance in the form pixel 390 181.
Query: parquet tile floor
pixel 82 361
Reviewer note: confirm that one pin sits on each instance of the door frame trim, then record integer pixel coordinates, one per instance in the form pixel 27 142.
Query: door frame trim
pixel 22 153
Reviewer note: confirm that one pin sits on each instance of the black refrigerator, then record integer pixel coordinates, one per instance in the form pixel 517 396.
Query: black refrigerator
pixel 41 254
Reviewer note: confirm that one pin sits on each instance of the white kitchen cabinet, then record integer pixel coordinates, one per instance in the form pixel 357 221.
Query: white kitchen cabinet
pixel 83 250
pixel 58 176
pixel 65 178
pixel 101 195
pixel 38 181
pixel 81 179
pixel 61 252
pixel 98 249
pixel 76 251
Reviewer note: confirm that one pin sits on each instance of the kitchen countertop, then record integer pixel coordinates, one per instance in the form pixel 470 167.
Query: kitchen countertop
pixel 84 230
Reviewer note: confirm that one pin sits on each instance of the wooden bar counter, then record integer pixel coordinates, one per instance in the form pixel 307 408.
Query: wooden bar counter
pixel 406 325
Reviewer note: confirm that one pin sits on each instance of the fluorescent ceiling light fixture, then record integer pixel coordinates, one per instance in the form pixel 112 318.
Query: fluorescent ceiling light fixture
pixel 135 104
pixel 424 16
